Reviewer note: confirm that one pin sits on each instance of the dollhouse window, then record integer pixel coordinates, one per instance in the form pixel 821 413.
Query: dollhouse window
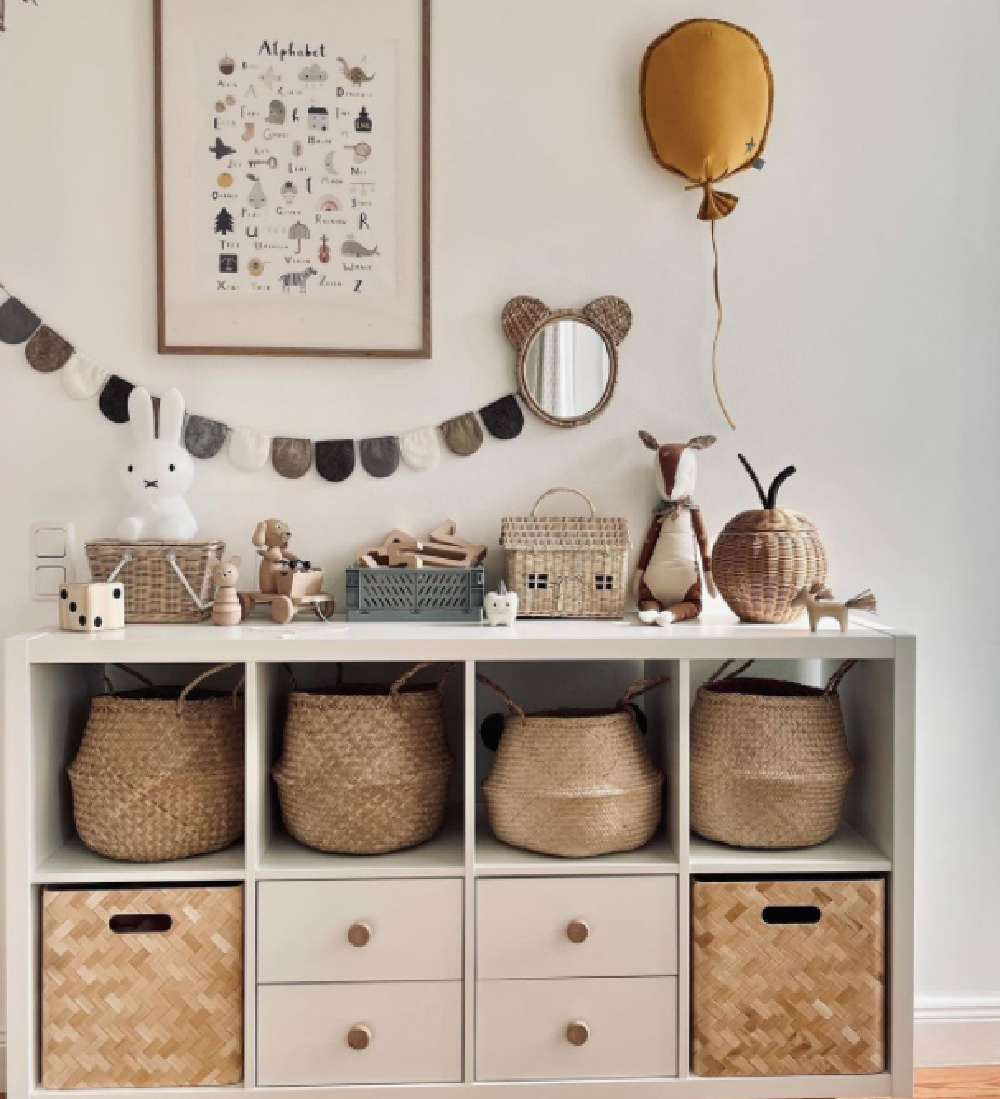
pixel 538 580
pixel 604 581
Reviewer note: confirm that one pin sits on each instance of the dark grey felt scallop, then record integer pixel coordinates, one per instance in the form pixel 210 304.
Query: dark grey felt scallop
pixel 47 351
pixel 17 321
pixel 335 459
pixel 291 457
pixel 114 399
pixel 503 419
pixel 204 438
pixel 380 457
pixel 463 435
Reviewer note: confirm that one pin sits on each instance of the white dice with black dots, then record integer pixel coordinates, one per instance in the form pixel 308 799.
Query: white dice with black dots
pixel 90 607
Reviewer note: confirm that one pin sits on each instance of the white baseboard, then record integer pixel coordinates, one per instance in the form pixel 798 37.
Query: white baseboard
pixel 949 1031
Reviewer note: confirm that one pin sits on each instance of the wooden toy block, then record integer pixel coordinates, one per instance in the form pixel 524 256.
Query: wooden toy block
pixel 87 608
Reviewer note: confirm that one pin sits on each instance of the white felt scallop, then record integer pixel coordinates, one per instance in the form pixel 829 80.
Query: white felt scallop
pixel 420 449
pixel 83 378
pixel 249 450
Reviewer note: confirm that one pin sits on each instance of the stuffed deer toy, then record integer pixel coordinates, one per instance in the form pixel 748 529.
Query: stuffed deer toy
pixel 157 471
pixel 668 585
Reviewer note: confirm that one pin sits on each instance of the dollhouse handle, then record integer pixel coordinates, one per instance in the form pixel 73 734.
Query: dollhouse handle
pixel 838 676
pixel 641 686
pixel 110 687
pixel 575 491
pixel 496 689
pixel 205 675
pixel 406 676
pixel 732 675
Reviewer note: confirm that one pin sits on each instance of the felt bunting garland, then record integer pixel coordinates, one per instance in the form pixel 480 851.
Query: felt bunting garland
pixel 250 449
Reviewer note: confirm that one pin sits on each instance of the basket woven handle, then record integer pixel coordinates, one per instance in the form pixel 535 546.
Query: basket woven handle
pixel 110 687
pixel 497 689
pixel 575 491
pixel 406 676
pixel 641 686
pixel 837 678
pixel 732 675
pixel 205 675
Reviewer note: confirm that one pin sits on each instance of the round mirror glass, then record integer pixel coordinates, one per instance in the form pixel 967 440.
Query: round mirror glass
pixel 567 369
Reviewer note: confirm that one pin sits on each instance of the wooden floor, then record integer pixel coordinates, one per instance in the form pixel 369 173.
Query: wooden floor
pixel 945 1083
pixel 959 1083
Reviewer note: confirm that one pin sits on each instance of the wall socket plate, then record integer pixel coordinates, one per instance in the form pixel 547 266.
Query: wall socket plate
pixel 53 557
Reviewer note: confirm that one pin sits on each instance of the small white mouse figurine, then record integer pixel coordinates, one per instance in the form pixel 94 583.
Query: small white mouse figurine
pixel 157 471
pixel 501 606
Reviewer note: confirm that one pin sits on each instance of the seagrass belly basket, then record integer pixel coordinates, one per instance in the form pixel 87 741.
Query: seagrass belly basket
pixel 365 768
pixel 574 783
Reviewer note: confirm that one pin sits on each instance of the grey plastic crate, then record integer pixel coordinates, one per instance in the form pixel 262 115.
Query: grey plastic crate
pixel 415 595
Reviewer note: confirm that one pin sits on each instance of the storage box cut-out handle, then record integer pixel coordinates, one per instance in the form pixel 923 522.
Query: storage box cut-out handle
pixel 783 914
pixel 140 923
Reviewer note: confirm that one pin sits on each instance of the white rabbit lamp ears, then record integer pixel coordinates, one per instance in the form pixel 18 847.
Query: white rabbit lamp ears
pixel 143 420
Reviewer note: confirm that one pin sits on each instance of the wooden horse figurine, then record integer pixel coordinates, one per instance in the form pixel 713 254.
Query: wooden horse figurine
pixel 818 602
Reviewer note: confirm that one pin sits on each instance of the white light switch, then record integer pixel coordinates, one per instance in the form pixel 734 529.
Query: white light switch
pixel 50 542
pixel 48 580
pixel 52 565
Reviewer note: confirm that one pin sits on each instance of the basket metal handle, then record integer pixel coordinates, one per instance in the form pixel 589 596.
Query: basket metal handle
pixel 406 676
pixel 497 689
pixel 205 675
pixel 732 675
pixel 838 676
pixel 641 686
pixel 575 491
pixel 110 687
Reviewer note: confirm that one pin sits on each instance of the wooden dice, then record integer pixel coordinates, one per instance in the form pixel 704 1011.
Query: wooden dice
pixel 90 607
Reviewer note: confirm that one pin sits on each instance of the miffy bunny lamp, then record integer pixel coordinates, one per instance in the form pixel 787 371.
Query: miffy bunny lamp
pixel 157 471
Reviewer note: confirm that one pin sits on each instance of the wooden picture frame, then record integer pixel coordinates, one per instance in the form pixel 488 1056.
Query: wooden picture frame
pixel 371 299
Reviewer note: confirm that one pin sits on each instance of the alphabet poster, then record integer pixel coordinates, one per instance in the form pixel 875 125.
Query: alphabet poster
pixel 293 176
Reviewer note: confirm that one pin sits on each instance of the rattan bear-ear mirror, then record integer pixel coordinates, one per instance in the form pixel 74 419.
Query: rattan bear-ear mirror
pixel 567 359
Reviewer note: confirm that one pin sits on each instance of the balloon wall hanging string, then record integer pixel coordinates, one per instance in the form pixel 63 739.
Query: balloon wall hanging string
pixel 707 96
pixel 250 449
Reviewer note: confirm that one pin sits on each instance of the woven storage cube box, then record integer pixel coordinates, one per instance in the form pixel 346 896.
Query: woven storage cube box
pixel 164 581
pixel 566 566
pixel 788 977
pixel 142 987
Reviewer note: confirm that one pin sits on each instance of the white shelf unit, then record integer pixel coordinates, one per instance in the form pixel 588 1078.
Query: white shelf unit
pixel 49 679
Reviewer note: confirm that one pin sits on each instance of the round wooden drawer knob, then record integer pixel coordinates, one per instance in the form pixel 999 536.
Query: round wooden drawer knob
pixel 577 1033
pixel 577 931
pixel 359 1036
pixel 359 934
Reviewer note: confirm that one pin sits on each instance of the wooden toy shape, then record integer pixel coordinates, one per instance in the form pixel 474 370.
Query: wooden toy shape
pixel 441 549
pixel 271 540
pixel 88 608
pixel 818 602
pixel 287 583
pixel 226 608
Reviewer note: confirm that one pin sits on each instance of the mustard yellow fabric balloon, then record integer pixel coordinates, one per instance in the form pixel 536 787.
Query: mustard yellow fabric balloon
pixel 707 95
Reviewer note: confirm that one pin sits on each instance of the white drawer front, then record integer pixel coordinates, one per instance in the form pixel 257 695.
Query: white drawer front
pixel 305 931
pixel 413 1032
pixel 576 927
pixel 629 1025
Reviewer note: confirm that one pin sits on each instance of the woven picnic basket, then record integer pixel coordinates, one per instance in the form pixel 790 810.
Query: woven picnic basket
pixel 159 774
pixel 164 581
pixel 365 768
pixel 142 987
pixel 566 566
pixel 574 783
pixel 770 764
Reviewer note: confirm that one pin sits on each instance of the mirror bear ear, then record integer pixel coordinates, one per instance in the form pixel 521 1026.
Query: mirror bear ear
pixel 611 315
pixel 520 317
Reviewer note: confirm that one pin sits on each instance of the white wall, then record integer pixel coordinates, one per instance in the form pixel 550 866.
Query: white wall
pixel 860 276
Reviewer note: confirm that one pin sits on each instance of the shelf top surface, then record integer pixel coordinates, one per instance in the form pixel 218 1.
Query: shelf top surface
pixel 541 639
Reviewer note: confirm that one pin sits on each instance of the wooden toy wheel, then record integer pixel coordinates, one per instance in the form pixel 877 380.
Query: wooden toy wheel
pixel 247 604
pixel 282 609
pixel 325 609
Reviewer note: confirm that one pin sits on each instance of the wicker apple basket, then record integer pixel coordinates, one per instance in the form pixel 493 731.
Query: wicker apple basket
pixel 763 559
pixel 574 783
